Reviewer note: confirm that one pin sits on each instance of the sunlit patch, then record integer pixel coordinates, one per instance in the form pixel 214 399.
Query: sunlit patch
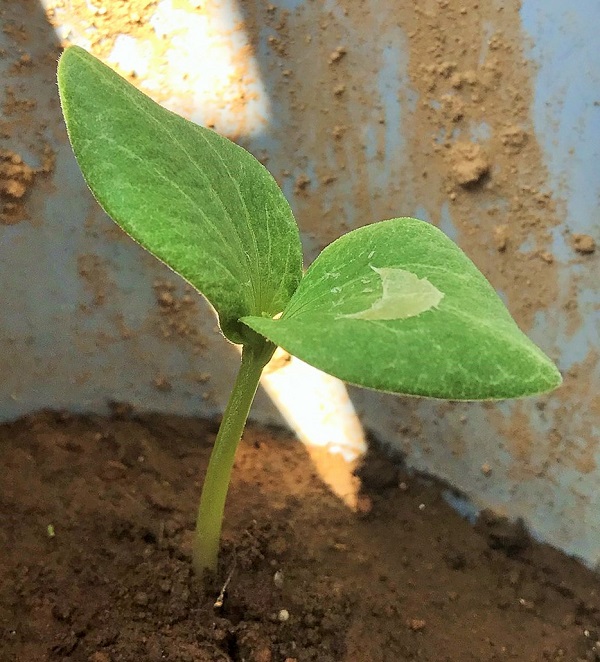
pixel 404 295
pixel 318 409
pixel 194 58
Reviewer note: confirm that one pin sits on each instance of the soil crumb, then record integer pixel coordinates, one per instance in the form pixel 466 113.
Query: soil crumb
pixel 15 179
pixel 583 243
pixel 469 164
pixel 97 527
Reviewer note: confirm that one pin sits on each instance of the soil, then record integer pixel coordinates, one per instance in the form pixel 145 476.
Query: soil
pixel 97 524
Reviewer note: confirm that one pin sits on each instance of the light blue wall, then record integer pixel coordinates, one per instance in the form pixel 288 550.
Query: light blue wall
pixel 75 340
pixel 566 112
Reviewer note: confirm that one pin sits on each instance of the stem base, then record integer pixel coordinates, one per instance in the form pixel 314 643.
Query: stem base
pixel 218 473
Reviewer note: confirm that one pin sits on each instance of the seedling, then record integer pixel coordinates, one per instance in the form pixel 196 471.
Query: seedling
pixel 394 306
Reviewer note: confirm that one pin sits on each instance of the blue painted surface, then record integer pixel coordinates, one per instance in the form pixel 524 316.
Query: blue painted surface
pixel 566 113
pixel 566 107
pixel 62 352
pixel 446 223
pixel 557 499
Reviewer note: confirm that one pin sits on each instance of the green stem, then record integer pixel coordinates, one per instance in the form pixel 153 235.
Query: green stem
pixel 216 482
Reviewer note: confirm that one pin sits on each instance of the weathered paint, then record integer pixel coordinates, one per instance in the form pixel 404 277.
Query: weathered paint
pixel 337 99
pixel 566 112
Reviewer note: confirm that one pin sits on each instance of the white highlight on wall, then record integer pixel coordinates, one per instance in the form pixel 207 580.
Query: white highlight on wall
pixel 315 405
pixel 198 62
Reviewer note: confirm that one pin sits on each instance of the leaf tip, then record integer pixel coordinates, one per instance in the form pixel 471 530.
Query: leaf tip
pixel 555 378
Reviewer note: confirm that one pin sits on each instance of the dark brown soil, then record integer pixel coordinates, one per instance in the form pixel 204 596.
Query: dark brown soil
pixel 97 517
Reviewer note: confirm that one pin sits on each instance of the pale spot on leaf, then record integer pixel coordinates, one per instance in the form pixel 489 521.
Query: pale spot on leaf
pixel 404 295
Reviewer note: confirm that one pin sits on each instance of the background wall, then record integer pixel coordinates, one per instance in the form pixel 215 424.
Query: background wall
pixel 483 118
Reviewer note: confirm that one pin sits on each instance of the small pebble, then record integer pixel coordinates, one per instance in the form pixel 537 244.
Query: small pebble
pixel 337 54
pixel 141 598
pixel 283 615
pixel 583 243
pixel 98 656
pixel 416 624
pixel 278 579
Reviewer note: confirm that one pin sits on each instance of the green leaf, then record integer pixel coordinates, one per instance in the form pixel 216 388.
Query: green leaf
pixel 198 202
pixel 396 306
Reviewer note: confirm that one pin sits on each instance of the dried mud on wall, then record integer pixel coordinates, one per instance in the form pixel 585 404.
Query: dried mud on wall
pixel 467 143
pixel 457 111
pixel 26 158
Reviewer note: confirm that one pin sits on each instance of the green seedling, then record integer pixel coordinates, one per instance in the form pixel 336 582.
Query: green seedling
pixel 394 306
